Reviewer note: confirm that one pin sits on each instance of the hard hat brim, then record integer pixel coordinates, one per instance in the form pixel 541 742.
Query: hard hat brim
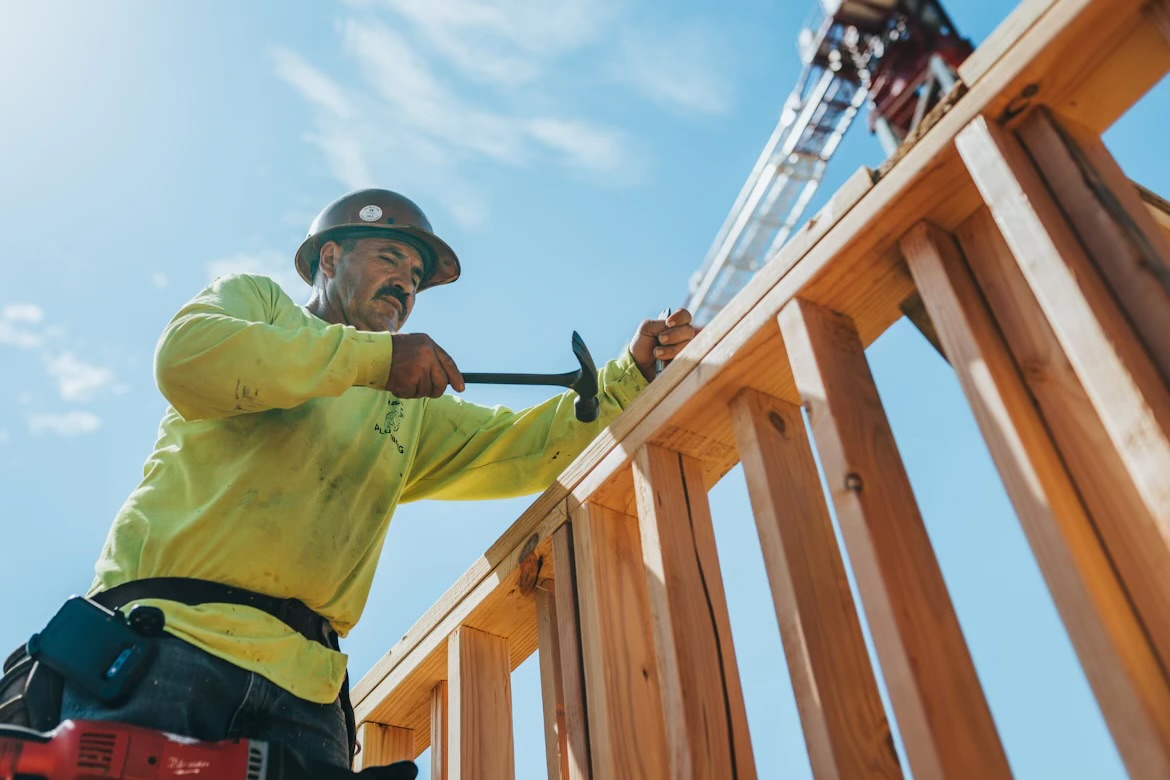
pixel 444 263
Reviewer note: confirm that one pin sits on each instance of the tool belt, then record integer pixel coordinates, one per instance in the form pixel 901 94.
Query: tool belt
pixel 30 693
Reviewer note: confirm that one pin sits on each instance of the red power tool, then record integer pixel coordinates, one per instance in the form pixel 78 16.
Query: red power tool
pixel 104 750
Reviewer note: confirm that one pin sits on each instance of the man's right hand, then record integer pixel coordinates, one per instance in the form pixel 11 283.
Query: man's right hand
pixel 420 368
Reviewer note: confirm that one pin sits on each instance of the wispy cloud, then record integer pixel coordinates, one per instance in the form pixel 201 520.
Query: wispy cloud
pixel 441 87
pixel 506 42
pixel 78 380
pixel 25 326
pixel 73 423
pixel 680 68
pixel 19 325
pixel 276 265
pixel 160 280
pixel 4 437
pixel 312 84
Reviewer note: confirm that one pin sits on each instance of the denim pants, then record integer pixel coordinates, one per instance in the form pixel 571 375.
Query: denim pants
pixel 194 694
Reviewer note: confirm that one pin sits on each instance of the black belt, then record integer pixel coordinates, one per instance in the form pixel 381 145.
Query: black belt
pixel 292 612
pixel 185 590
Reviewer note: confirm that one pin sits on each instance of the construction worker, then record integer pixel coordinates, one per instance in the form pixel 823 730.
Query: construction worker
pixel 292 434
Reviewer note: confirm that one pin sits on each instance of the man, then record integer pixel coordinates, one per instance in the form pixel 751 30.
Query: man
pixel 293 433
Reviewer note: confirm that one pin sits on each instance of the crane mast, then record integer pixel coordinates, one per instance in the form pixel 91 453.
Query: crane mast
pixel 900 54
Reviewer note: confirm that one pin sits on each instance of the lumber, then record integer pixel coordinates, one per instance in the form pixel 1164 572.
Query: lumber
pixel 626 733
pixel 440 757
pixel 1021 19
pixel 480 700
pixel 845 726
pixel 1091 59
pixel 1109 638
pixel 1128 526
pixel 1159 13
pixel 576 743
pixel 381 745
pixel 1120 378
pixel 489 596
pixel 942 715
pixel 1157 206
pixel 551 685
pixel 1116 229
pixel 706 722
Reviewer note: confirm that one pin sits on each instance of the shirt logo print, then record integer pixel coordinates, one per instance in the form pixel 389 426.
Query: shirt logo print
pixel 391 423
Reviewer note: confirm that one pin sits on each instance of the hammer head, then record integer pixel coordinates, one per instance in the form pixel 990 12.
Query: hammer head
pixel 585 386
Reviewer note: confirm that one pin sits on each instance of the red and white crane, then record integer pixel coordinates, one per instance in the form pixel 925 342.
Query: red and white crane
pixel 899 57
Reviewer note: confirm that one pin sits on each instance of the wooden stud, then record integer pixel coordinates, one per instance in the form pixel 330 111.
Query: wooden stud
pixel 1158 12
pixel 1157 207
pixel 1110 640
pixel 845 726
pixel 480 691
pixel 1118 375
pixel 943 717
pixel 440 755
pixel 706 721
pixel 551 688
pixel 383 745
pixel 626 733
pixel 1116 229
pixel 575 746
pixel 1129 527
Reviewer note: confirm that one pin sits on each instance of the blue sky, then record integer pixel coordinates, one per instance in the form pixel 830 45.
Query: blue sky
pixel 580 156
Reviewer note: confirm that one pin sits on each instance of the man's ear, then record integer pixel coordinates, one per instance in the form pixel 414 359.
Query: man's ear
pixel 330 255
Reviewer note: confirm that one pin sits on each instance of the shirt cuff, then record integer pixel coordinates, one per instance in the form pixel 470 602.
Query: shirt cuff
pixel 373 353
pixel 627 377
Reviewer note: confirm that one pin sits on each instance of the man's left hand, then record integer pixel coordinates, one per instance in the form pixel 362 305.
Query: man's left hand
pixel 661 340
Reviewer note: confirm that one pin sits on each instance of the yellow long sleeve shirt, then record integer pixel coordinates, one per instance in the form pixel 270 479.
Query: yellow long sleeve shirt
pixel 281 459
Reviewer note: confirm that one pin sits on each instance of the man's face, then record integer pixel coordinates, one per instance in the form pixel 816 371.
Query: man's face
pixel 373 284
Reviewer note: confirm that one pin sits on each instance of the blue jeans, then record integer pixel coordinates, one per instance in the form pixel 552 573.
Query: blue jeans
pixel 194 694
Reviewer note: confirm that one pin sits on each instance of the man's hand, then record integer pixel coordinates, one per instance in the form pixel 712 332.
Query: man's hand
pixel 661 340
pixel 420 368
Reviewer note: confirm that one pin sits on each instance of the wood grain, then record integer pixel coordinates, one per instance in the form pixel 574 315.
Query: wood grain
pixel 1121 381
pixel 626 733
pixel 1109 638
pixel 480 699
pixel 576 744
pixel 1117 231
pixel 942 715
pixel 440 761
pixel 383 745
pixel 1128 526
pixel 845 726
pixel 706 722
pixel 551 685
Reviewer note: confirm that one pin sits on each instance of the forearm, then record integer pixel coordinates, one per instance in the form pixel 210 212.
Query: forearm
pixel 469 452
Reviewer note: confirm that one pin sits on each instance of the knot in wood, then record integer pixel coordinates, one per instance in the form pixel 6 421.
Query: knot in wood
pixel 778 422
pixel 529 565
pixel 853 482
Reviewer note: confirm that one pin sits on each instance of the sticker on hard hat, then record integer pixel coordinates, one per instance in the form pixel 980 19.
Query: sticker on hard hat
pixel 370 213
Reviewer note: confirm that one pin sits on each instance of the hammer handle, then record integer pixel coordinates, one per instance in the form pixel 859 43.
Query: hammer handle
pixel 560 380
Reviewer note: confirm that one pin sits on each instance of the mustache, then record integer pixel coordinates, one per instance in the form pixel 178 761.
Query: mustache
pixel 395 293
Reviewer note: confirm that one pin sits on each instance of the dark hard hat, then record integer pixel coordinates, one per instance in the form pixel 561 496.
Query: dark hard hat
pixel 365 213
